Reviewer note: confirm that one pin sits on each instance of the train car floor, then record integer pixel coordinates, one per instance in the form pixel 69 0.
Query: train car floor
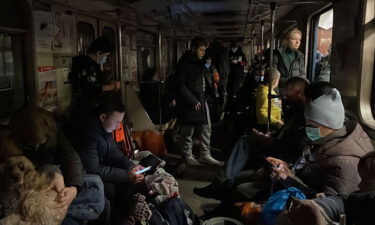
pixel 190 177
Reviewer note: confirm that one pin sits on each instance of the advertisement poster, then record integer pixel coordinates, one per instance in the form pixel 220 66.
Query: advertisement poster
pixel 43 22
pixel 55 32
pixel 133 67
pixel 64 33
pixel 47 88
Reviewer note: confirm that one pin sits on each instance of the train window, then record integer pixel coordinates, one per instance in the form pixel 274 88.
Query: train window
pixel 85 35
pixel 367 85
pixel 12 93
pixel 109 67
pixel 320 67
pixel 6 63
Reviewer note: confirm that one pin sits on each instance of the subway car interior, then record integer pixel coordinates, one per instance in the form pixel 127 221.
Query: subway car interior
pixel 187 112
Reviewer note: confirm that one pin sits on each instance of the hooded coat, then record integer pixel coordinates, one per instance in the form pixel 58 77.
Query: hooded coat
pixel 190 90
pixel 332 165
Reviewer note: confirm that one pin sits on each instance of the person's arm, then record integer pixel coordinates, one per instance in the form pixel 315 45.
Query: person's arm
pixel 89 153
pixel 116 158
pixel 184 92
pixel 115 86
pixel 70 162
pixel 339 178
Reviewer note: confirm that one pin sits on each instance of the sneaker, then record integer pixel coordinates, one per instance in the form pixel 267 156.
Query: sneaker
pixel 191 161
pixel 206 192
pixel 207 159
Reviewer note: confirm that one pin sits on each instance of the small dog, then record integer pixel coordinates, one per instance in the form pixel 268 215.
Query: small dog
pixel 24 195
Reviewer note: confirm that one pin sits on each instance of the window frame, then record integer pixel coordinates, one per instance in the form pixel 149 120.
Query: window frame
pixel 310 41
pixel 367 70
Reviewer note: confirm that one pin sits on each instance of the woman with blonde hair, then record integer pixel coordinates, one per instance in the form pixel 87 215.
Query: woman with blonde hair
pixel 287 58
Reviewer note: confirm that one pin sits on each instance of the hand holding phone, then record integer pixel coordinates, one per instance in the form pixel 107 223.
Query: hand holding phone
pixel 143 170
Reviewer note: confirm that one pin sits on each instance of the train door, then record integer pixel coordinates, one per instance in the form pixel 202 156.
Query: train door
pixel 321 42
pixel 13 43
pixel 110 31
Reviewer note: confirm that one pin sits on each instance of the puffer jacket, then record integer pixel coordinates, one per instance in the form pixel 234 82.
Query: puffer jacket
pixel 189 90
pixel 332 165
pixel 297 68
pixel 100 154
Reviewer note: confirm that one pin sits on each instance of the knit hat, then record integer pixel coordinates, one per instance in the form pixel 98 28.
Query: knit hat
pixel 326 110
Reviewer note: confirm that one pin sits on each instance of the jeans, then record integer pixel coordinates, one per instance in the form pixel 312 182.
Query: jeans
pixel 187 132
pixel 90 202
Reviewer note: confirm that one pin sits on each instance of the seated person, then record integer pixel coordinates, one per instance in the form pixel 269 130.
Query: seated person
pixel 44 143
pixel 357 207
pixel 330 163
pixel 247 154
pixel 272 77
pixel 100 154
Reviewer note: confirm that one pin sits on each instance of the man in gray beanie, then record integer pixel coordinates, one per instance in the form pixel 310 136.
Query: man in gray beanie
pixel 329 165
pixel 324 115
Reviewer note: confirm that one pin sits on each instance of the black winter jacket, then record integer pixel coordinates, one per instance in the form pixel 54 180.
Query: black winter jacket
pixel 100 154
pixel 62 154
pixel 189 81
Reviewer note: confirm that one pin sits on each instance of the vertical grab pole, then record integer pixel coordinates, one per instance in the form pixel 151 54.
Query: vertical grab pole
pixel 161 76
pixel 273 6
pixel 261 36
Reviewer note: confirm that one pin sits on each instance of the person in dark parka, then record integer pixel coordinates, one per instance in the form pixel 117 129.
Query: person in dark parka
pixel 191 107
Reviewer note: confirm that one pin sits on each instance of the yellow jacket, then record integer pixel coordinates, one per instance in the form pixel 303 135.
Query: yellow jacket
pixel 262 106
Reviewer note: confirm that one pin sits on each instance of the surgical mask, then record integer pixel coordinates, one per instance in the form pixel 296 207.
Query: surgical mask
pixel 313 133
pixel 207 65
pixel 102 60
pixel 234 50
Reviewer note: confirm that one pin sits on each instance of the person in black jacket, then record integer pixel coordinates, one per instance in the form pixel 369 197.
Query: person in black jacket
pixel 191 107
pixel 100 154
pixel 236 77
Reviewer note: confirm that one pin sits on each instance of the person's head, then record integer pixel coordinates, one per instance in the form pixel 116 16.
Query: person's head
pixel 295 89
pixel 366 170
pixel 293 39
pixel 198 46
pixel 324 111
pixel 100 49
pixel 272 76
pixel 34 128
pixel 111 112
pixel 234 46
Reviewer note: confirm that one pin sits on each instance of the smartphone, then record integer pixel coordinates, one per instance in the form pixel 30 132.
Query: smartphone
pixel 143 170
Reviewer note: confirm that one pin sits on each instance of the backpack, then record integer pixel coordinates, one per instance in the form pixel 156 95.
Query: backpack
pixel 276 204
pixel 173 211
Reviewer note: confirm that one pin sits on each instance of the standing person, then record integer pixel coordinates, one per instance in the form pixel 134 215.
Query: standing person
pixel 88 79
pixel 214 94
pixel 191 107
pixel 288 59
pixel 220 58
pixel 237 61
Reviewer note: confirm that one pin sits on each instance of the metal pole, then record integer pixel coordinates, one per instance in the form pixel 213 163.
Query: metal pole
pixel 273 6
pixel 262 36
pixel 161 76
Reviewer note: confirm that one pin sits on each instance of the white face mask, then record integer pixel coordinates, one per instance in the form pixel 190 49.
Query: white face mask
pixel 102 60
pixel 234 49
